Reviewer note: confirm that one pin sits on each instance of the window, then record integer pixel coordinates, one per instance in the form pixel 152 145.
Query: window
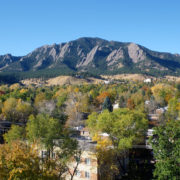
pixel 44 154
pixel 78 173
pixel 53 155
pixel 87 175
pixel 87 161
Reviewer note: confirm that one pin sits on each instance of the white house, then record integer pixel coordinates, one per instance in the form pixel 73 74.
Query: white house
pixel 147 80
pixel 115 106
pixel 106 81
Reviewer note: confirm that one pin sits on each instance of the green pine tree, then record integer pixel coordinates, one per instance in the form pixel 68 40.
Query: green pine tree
pixel 107 104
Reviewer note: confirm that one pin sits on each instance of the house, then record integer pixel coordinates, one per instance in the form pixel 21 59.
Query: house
pixel 162 110
pixel 147 102
pixel 85 132
pixel 153 117
pixel 115 106
pixel 150 132
pixel 106 82
pixel 147 80
pixel 88 167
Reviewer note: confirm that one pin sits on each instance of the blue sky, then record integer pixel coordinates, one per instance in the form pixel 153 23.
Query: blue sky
pixel 28 24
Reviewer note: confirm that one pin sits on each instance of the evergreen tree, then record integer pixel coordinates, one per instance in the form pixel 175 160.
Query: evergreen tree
pixel 107 104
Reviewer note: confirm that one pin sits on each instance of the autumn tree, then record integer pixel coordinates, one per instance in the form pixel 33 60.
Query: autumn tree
pixel 138 100
pixel 130 104
pixel 23 109
pixel 102 97
pixel 125 127
pixel 106 156
pixel 40 97
pixel 14 86
pixel 19 160
pixel 77 106
pixel 9 109
pixel 163 93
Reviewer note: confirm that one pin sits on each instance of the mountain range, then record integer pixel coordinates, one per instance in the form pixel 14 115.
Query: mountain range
pixel 92 55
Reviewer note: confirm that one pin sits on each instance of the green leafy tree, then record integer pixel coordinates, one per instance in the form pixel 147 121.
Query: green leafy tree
pixel 125 128
pixel 173 108
pixel 123 125
pixel 50 133
pixel 45 129
pixel 166 145
pixel 61 99
pixel 15 133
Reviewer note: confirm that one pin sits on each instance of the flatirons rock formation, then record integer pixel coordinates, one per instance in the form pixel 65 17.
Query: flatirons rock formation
pixel 94 55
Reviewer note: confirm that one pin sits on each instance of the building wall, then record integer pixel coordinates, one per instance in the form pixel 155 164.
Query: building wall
pixel 84 168
pixel 85 133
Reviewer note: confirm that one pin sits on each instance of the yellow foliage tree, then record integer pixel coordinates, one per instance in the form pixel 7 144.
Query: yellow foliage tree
pixel 23 91
pixel 39 98
pixel 76 90
pixel 19 160
pixel 9 109
pixel 163 92
pixel 14 86
pixel 24 110
pixel 106 157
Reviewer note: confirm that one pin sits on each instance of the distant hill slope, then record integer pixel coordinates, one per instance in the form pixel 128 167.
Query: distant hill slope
pixel 93 55
pixel 61 80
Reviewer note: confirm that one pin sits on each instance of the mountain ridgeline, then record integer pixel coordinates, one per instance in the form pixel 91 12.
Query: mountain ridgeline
pixel 92 55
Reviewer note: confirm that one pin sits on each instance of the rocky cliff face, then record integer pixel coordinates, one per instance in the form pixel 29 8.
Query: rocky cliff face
pixel 87 54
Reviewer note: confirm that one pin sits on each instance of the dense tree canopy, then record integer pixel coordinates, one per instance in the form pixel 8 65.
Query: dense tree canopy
pixel 44 128
pixel 124 126
pixel 166 145
pixel 15 133
pixel 48 115
pixel 20 161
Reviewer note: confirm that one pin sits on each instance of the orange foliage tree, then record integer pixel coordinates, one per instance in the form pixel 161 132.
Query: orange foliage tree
pixel 130 104
pixel 100 99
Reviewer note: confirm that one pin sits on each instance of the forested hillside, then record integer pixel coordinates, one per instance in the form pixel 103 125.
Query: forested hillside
pixel 93 55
